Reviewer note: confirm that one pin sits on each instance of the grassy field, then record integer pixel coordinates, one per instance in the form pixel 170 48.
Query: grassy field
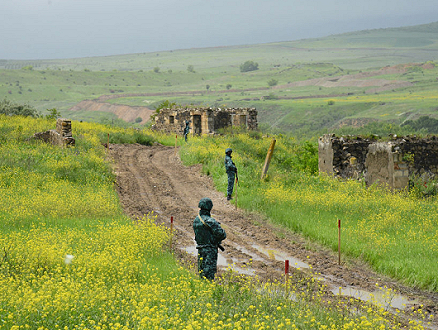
pixel 70 259
pixel 212 76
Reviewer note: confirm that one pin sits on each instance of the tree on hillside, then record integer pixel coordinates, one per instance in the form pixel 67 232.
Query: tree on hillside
pixel 249 66
pixel 190 68
pixel 13 109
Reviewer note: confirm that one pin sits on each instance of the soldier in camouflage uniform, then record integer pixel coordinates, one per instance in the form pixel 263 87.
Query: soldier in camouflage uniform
pixel 231 170
pixel 186 130
pixel 208 236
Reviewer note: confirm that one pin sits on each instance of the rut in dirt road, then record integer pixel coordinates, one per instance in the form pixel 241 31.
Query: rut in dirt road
pixel 153 179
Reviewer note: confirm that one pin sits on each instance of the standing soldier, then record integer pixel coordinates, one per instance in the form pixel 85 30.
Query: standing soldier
pixel 186 130
pixel 208 236
pixel 231 170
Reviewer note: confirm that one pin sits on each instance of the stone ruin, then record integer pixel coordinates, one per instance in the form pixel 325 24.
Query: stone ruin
pixel 388 163
pixel 205 120
pixel 62 136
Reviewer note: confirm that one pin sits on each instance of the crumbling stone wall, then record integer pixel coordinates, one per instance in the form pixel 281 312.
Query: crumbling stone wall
pixel 205 120
pixel 61 136
pixel 390 163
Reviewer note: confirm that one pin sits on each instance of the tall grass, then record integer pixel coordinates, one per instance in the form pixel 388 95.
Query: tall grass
pixel 70 259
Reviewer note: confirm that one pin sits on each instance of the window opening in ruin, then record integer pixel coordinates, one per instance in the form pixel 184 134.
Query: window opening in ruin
pixel 197 128
pixel 171 120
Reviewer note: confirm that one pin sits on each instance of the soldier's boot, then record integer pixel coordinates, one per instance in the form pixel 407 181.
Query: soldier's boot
pixel 229 198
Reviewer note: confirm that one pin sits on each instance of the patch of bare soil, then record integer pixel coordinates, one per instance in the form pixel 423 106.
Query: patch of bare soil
pixel 153 179
pixel 124 112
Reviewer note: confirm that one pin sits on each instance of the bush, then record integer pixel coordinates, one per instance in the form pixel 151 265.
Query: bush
pixel 424 122
pixel 249 66
pixel 272 82
pixel 13 109
pixel 424 185
pixel 53 114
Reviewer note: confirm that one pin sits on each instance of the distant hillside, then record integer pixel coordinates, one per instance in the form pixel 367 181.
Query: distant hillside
pixel 306 87
pixel 420 44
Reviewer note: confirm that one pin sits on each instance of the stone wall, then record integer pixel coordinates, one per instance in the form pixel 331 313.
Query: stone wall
pixel 61 136
pixel 205 120
pixel 389 163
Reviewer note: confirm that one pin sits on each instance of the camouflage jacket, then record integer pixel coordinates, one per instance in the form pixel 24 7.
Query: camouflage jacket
pixel 229 164
pixel 209 235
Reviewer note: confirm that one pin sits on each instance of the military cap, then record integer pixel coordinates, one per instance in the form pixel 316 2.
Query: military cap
pixel 205 204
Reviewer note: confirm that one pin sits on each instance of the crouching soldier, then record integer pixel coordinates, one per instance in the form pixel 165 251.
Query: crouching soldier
pixel 208 236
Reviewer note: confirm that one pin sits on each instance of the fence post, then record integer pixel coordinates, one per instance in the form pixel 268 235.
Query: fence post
pixel 171 232
pixel 286 275
pixel 268 159
pixel 339 241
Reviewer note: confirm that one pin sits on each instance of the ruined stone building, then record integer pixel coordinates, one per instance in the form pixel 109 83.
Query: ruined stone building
pixel 61 136
pixel 205 120
pixel 389 163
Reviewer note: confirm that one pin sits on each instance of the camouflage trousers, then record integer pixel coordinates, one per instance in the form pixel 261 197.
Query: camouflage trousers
pixel 231 176
pixel 207 262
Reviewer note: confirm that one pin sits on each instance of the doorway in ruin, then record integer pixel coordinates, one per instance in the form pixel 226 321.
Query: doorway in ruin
pixel 241 120
pixel 197 128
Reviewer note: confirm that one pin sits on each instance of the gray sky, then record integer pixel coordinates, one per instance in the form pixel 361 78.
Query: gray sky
pixel 49 29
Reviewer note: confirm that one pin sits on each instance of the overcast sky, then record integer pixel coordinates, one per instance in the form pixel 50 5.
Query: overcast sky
pixel 51 29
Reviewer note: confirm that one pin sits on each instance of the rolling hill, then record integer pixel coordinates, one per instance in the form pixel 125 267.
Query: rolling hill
pixel 305 87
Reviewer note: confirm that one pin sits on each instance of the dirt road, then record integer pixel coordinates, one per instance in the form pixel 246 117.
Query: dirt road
pixel 153 179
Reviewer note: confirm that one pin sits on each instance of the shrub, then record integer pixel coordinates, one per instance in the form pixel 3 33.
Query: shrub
pixel 13 109
pixel 424 185
pixel 53 114
pixel 249 66
pixel 272 82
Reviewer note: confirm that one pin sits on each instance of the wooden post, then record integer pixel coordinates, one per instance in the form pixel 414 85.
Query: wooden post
pixel 171 232
pixel 339 241
pixel 286 275
pixel 268 159
pixel 235 193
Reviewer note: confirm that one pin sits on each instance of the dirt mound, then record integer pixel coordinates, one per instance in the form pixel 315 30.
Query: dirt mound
pixel 153 179
pixel 124 112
